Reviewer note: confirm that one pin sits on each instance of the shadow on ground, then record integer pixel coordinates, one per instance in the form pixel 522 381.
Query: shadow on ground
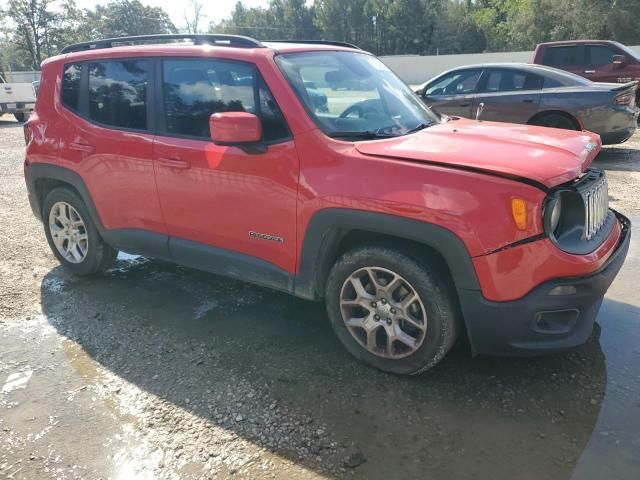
pixel 619 158
pixel 183 335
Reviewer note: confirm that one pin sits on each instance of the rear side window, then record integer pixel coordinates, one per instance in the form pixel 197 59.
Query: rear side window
pixel 118 93
pixel 71 86
pixel 193 89
pixel 512 81
pixel 561 56
pixel 552 83
pixel 600 55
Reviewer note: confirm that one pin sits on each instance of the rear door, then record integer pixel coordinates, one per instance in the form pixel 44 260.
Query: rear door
pixel 566 57
pixel 454 93
pixel 508 95
pixel 106 135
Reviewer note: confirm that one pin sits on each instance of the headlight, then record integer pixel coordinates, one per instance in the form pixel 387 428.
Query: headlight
pixel 576 217
pixel 564 215
pixel 555 213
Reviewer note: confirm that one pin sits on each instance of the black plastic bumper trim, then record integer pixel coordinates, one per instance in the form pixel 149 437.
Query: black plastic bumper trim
pixel 508 328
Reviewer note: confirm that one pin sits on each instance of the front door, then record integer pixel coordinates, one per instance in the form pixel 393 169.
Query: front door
pixel 224 201
pixel 600 64
pixel 453 93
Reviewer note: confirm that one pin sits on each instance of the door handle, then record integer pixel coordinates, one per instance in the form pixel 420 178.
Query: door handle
pixel 81 147
pixel 528 100
pixel 174 162
pixel 589 71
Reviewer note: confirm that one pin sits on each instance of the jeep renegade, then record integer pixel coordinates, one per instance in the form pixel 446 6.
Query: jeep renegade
pixel 213 152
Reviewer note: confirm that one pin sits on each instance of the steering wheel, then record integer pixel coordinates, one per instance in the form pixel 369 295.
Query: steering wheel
pixel 362 108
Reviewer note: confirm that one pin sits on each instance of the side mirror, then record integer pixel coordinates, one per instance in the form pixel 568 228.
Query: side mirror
pixel 619 60
pixel 235 128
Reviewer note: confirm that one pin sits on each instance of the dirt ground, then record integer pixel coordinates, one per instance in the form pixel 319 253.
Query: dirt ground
pixel 157 371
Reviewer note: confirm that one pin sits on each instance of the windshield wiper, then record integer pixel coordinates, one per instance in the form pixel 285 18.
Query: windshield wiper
pixel 419 127
pixel 363 135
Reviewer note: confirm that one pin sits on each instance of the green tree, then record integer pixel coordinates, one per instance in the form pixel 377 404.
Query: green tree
pixel 125 17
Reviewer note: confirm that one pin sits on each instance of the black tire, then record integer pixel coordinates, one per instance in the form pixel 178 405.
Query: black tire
pixel 99 256
pixel 20 117
pixel 429 282
pixel 555 120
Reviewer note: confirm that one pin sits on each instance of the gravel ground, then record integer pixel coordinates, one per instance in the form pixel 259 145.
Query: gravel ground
pixel 156 371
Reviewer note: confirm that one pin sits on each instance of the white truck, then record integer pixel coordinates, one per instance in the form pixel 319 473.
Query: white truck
pixel 17 98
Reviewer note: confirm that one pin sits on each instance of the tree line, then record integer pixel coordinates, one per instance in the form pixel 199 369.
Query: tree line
pixel 36 29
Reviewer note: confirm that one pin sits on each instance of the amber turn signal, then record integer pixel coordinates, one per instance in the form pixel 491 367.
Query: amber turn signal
pixel 519 212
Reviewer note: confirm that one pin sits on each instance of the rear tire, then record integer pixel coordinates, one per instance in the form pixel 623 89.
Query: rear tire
pixel 20 117
pixel 391 309
pixel 73 236
pixel 555 120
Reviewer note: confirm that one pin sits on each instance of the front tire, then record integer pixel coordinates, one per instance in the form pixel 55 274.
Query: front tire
pixel 73 236
pixel 20 116
pixel 392 310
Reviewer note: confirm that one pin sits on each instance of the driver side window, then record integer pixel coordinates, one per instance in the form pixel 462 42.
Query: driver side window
pixel 193 89
pixel 456 83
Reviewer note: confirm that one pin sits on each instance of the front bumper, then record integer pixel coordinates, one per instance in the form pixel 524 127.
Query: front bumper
pixel 17 107
pixel 540 322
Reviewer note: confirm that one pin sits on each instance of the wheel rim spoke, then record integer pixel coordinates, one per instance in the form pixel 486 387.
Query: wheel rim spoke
pixel 372 298
pixel 68 232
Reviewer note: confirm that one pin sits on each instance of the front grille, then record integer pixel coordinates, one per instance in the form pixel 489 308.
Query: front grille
pixel 596 201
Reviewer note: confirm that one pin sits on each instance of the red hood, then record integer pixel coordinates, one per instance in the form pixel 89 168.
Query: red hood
pixel 547 156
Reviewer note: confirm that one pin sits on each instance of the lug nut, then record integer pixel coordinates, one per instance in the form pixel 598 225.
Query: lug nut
pixel 388 321
pixel 384 301
pixel 376 317
pixel 393 310
pixel 374 304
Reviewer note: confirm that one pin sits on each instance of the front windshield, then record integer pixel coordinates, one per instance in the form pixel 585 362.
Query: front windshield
pixel 629 52
pixel 354 95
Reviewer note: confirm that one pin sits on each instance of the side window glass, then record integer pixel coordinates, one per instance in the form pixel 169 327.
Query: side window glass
pixel 118 93
pixel 71 86
pixel 274 126
pixel 511 81
pixel 600 55
pixel 532 82
pixel 562 56
pixel 493 81
pixel 194 89
pixel 552 83
pixel 456 83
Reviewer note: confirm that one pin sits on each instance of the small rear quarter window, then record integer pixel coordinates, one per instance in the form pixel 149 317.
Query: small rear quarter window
pixel 71 86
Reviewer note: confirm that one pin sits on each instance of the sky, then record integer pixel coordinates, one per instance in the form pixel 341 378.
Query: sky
pixel 214 10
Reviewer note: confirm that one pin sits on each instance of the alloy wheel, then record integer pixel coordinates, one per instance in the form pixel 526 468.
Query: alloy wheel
pixel 383 312
pixel 68 232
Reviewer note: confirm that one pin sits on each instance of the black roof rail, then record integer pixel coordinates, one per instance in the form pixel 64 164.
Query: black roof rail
pixel 317 42
pixel 197 39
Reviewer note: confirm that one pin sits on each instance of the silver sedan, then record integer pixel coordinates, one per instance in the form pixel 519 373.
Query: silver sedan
pixel 535 95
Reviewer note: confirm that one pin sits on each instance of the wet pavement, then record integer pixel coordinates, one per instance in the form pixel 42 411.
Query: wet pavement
pixel 157 371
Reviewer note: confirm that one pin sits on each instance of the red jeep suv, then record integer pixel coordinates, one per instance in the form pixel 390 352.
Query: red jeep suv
pixel 211 152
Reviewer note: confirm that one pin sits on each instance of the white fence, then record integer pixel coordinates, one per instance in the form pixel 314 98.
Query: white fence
pixel 416 69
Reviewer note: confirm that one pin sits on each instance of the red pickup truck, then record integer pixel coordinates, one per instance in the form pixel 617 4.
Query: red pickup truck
pixel 597 60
